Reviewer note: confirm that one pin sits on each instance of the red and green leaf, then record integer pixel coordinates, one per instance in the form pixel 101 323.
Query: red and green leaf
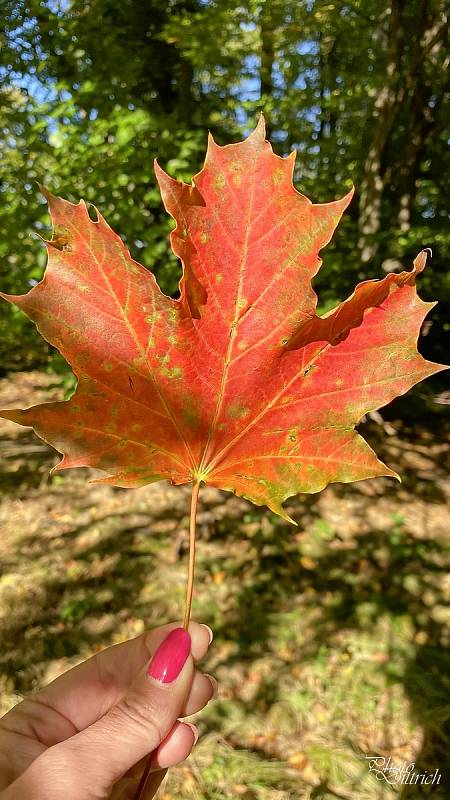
pixel 238 383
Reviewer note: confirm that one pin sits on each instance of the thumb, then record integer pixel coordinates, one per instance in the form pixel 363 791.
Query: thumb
pixel 87 764
pixel 139 722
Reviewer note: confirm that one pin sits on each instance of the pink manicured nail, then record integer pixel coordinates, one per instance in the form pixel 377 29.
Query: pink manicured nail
pixel 170 657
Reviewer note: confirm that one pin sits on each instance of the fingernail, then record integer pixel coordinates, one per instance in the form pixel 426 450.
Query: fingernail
pixel 210 633
pixel 170 657
pixel 194 731
pixel 214 685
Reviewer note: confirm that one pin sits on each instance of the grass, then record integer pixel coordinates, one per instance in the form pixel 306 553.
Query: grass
pixel 329 638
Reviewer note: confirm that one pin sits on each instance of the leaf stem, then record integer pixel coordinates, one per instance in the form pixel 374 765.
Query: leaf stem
pixel 150 781
pixel 191 567
pixel 156 777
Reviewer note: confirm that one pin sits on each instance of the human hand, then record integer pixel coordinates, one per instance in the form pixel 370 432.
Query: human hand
pixel 88 734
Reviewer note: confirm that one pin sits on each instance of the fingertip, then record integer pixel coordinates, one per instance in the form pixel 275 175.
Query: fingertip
pixel 203 689
pixel 214 684
pixel 201 636
pixel 210 633
pixel 194 731
pixel 176 747
pixel 168 661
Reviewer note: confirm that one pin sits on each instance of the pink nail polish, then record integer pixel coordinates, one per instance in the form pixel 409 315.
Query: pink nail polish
pixel 170 657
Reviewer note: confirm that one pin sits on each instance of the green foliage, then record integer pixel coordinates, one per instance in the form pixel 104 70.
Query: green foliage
pixel 92 90
pixel 76 610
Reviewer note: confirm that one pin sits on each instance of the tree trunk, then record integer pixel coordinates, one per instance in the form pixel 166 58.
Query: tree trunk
pixel 424 104
pixel 409 101
pixel 386 107
pixel 185 104
pixel 267 28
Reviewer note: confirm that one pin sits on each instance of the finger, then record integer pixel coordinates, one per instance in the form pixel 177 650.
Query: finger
pixel 176 746
pixel 85 693
pixel 204 688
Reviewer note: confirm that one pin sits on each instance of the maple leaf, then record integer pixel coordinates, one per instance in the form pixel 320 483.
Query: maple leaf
pixel 238 383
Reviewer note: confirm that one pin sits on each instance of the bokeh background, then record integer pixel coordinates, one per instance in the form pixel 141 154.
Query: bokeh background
pixel 330 638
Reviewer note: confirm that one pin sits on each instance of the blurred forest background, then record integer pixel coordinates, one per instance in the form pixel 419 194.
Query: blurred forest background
pixel 330 639
pixel 92 91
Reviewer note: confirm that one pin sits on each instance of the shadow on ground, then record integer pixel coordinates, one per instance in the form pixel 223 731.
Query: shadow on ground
pixel 365 558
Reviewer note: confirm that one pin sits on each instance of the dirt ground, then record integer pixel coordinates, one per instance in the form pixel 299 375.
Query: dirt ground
pixel 329 637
